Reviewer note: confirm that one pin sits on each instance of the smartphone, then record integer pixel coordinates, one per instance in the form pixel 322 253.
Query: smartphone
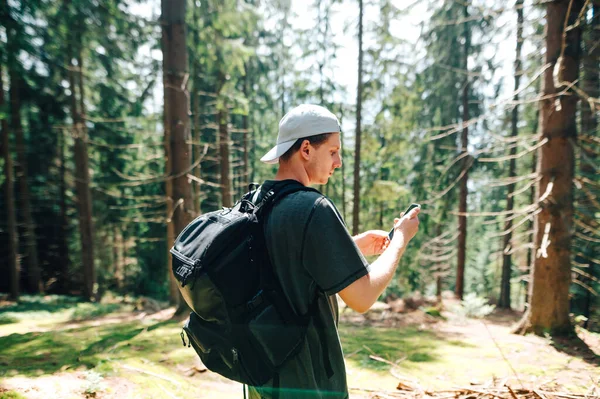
pixel 412 206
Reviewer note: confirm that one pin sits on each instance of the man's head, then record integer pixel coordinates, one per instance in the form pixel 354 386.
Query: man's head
pixel 308 139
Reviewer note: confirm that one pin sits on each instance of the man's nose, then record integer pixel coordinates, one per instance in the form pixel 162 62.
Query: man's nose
pixel 338 163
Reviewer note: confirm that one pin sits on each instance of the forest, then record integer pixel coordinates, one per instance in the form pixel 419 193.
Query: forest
pixel 122 121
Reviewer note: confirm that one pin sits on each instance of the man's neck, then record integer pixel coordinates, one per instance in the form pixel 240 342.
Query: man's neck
pixel 289 172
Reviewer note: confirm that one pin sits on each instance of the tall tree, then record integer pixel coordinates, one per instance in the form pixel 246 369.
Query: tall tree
pixel 551 275
pixel 14 38
pixel 63 225
pixel 505 299
pixel 9 202
pixel 224 157
pixel 585 201
pixel 33 267
pixel 80 134
pixel 177 123
pixel 464 143
pixel 358 133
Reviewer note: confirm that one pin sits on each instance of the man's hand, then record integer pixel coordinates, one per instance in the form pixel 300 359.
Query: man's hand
pixel 407 225
pixel 372 242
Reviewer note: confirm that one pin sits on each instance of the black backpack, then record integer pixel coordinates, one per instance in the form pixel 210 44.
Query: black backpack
pixel 241 325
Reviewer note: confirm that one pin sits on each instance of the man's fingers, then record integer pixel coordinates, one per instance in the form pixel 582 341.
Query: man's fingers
pixel 414 212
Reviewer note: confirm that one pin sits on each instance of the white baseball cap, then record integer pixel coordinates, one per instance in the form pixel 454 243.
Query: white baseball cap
pixel 303 121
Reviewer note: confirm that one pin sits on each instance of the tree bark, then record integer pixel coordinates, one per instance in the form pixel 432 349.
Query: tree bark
pixel 175 297
pixel 63 228
pixel 357 138
pixel 119 246
pixel 9 203
pixel 82 178
pixel 246 133
pixel 530 224
pixel 589 124
pixel 20 167
pixel 549 308
pixel 505 298
pixel 464 139
pixel 196 149
pixel 177 121
pixel 34 278
pixel 222 117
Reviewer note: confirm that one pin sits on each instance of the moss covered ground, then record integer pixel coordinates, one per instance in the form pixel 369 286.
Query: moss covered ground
pixel 59 347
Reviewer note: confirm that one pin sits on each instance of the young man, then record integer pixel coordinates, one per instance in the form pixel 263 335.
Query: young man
pixel 313 255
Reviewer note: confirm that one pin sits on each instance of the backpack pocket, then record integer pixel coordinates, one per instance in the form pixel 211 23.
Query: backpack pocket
pixel 210 343
pixel 276 336
pixel 198 289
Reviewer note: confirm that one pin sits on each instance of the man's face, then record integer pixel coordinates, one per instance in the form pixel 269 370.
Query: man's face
pixel 325 159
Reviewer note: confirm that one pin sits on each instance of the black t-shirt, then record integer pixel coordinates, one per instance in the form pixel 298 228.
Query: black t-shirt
pixel 311 251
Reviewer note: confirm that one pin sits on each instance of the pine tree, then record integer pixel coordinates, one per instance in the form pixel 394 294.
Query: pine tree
pixel 14 38
pixel 9 200
pixel 358 132
pixel 177 124
pixel 504 301
pixel 551 274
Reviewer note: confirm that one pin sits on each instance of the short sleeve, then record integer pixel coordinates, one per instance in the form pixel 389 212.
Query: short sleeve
pixel 329 253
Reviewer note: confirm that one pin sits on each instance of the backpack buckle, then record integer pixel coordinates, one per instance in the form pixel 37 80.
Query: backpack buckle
pixel 255 302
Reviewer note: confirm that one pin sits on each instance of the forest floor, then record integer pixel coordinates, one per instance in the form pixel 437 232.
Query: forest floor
pixel 56 347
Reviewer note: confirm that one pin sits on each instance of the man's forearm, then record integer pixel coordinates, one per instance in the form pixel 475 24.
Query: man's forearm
pixel 383 269
pixel 363 293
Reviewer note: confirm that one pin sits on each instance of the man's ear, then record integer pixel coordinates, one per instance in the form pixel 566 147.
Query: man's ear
pixel 305 150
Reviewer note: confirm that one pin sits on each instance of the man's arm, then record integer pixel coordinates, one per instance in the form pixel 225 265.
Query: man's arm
pixel 362 294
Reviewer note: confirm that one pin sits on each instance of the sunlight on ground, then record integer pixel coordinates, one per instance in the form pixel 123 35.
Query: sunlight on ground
pixel 66 349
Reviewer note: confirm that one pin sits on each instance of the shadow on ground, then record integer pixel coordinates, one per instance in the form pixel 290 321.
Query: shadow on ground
pixel 38 353
pixel 576 347
pixel 363 344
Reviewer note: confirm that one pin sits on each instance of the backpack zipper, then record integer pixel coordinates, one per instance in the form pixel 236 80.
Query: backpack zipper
pixel 193 265
pixel 234 352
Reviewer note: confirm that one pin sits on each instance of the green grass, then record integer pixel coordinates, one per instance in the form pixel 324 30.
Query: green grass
pixel 11 395
pixel 392 344
pixel 139 350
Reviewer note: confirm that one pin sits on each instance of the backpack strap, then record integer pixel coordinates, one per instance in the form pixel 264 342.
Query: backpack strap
pixel 274 195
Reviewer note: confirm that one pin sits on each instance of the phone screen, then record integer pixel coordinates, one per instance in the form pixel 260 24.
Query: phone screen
pixel 412 206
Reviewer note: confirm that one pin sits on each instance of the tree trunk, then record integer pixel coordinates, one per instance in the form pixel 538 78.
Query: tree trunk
pixel 20 167
pixel 119 245
pixel 9 203
pixel 505 299
pixel 34 278
pixel 464 139
pixel 82 178
pixel 551 278
pixel 356 206
pixel 589 124
pixel 175 297
pixel 177 123
pixel 246 132
pixel 222 117
pixel 63 275
pixel 196 149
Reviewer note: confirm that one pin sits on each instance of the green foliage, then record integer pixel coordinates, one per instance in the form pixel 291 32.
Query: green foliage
pixel 433 311
pixel 86 311
pixel 93 382
pixel 473 306
pixel 11 395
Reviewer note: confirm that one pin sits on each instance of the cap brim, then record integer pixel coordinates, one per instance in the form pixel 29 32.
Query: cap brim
pixel 273 155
